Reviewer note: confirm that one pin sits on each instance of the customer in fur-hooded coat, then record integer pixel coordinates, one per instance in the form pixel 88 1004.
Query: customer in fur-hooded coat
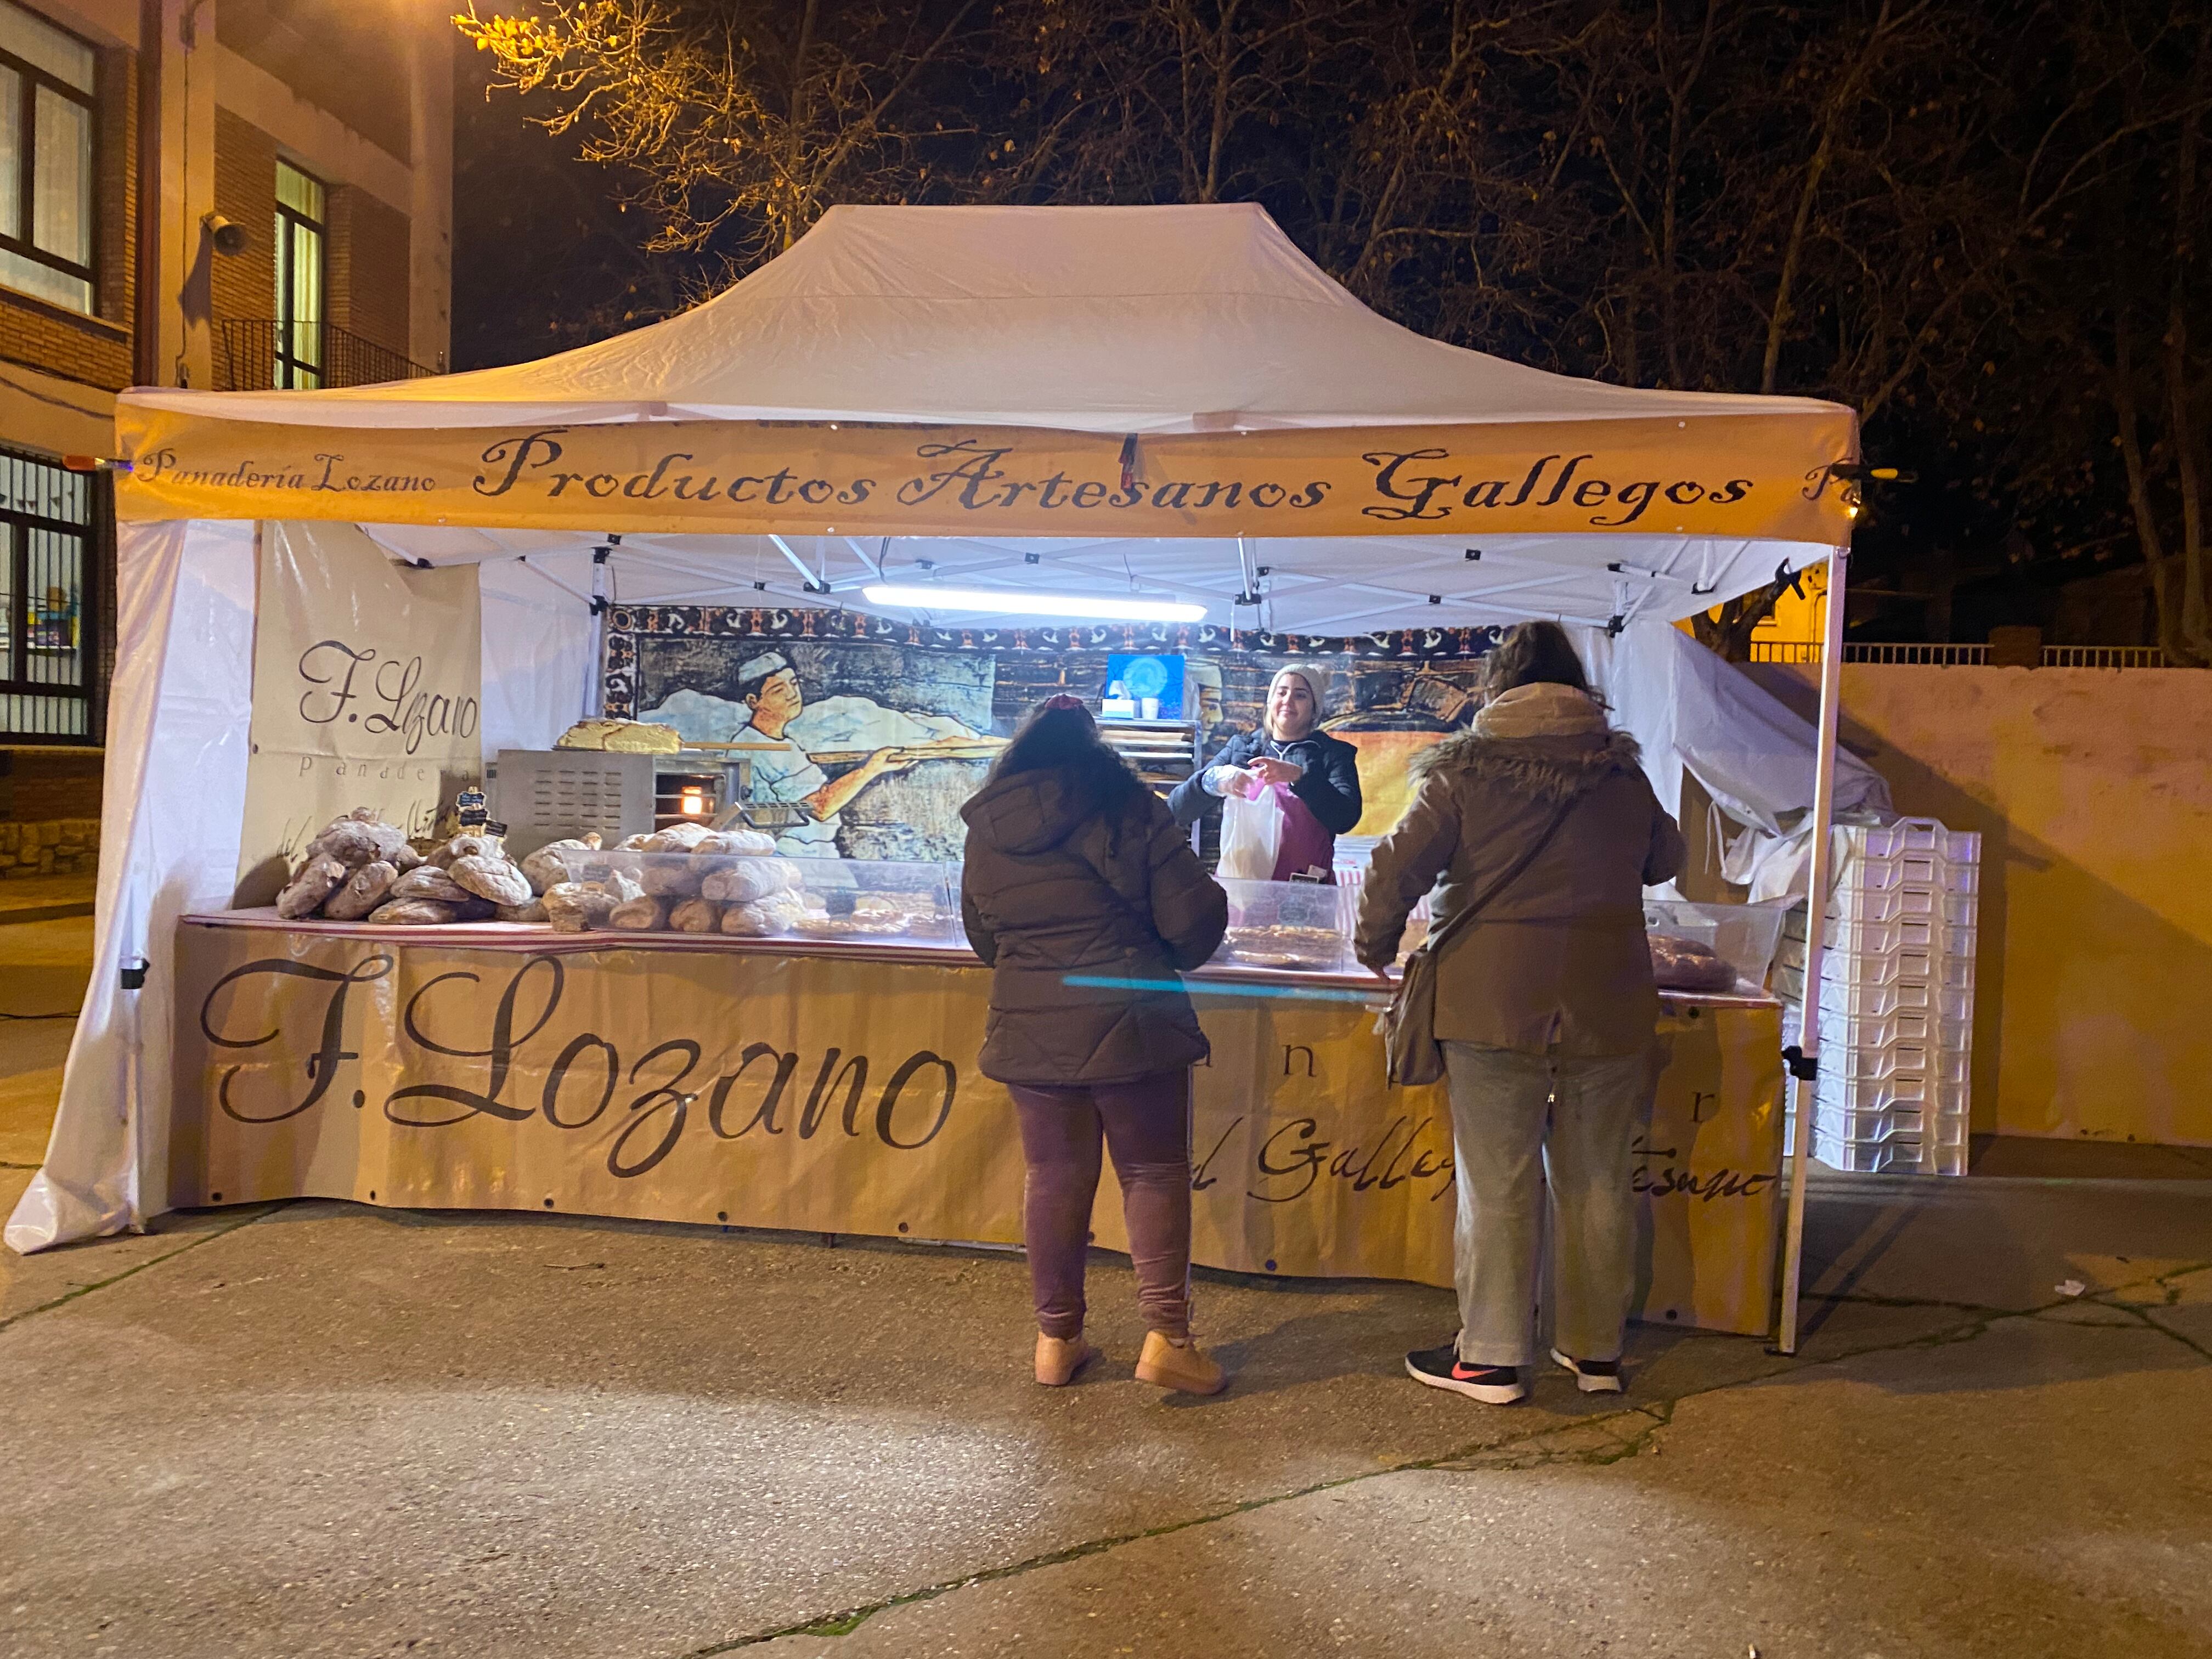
pixel 1545 1004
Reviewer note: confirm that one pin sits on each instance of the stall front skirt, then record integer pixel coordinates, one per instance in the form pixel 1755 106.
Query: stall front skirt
pixel 833 1089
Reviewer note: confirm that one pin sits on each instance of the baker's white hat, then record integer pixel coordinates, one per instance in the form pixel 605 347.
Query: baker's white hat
pixel 760 667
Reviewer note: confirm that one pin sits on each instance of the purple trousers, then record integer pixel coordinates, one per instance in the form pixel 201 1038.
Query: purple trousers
pixel 1146 1125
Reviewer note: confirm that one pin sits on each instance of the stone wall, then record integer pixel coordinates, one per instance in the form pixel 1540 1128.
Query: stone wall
pixel 55 846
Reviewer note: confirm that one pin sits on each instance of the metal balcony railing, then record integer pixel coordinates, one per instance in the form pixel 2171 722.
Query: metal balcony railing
pixel 256 354
pixel 1963 656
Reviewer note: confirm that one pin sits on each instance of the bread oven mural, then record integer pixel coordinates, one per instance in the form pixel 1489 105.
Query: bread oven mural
pixel 866 736
pixel 1396 712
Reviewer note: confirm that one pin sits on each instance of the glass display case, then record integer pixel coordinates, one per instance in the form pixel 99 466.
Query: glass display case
pixel 875 901
pixel 1744 936
pixel 748 895
pixel 1296 927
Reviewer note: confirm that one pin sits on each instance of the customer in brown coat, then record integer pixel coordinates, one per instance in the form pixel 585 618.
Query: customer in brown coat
pixel 1087 903
pixel 1544 1006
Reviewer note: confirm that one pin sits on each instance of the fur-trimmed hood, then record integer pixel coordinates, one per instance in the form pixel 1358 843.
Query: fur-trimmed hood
pixel 1547 767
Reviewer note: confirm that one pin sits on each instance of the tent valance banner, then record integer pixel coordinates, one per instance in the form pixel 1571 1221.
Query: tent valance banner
pixel 368 682
pixel 1740 476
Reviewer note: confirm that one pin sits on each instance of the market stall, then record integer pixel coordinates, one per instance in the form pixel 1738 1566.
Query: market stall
pixel 939 416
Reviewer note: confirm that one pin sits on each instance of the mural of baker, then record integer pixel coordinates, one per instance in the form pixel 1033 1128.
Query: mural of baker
pixel 1314 776
pixel 785 774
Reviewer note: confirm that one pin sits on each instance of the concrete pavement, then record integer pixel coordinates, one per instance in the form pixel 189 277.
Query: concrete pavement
pixel 324 1429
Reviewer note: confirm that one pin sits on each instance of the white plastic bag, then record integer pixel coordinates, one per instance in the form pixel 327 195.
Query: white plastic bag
pixel 1251 836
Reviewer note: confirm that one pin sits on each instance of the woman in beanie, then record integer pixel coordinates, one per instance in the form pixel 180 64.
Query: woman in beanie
pixel 1314 777
pixel 1087 904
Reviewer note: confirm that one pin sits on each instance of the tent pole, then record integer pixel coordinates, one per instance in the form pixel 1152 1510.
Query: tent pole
pixel 595 688
pixel 1816 906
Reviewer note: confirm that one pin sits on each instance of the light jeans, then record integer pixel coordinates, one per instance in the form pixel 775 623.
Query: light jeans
pixel 1521 1123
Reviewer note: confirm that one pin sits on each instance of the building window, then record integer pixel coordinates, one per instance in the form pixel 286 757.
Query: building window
pixel 298 355
pixel 47 532
pixel 45 160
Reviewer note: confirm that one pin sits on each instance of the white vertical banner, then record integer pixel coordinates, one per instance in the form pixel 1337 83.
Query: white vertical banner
pixel 368 691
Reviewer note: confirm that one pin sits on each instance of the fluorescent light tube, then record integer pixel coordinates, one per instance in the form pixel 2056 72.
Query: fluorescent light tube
pixel 1015 603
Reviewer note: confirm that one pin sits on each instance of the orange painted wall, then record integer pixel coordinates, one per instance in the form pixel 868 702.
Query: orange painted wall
pixel 2094 794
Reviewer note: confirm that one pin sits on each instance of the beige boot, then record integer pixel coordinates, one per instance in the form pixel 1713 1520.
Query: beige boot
pixel 1059 1359
pixel 1168 1364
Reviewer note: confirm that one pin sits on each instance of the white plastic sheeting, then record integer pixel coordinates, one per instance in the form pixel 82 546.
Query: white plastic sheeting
pixel 1170 319
pixel 538 661
pixel 1694 713
pixel 172 801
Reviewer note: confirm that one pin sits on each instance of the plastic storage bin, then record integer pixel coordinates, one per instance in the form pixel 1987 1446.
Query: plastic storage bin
pixel 1877 1001
pixel 1881 939
pixel 1842 1093
pixel 1907 1027
pixel 1742 935
pixel 1909 836
pixel 1879 904
pixel 1913 1123
pixel 1864 872
pixel 1892 1157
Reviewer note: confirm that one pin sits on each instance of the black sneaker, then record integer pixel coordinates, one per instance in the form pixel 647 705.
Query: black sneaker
pixel 1443 1368
pixel 1592 1375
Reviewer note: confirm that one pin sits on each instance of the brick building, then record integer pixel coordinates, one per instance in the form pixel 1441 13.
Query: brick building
pixel 224 193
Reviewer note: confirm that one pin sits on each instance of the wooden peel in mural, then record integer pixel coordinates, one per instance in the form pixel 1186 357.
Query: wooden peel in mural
pixel 982 749
pixel 841 754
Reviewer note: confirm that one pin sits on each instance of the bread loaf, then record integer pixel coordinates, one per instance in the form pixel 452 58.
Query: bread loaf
pixel 576 907
pixel 429 881
pixel 642 914
pixel 1687 964
pixel 491 878
pixel 363 892
pixel 414 913
pixel 545 867
pixel 672 877
pixel 696 917
pixel 737 843
pixel 318 878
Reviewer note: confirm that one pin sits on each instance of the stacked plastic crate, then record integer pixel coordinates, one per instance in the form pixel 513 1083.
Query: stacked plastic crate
pixel 1897 998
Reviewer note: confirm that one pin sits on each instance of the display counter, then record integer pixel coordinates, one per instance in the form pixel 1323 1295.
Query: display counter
pixel 829 1086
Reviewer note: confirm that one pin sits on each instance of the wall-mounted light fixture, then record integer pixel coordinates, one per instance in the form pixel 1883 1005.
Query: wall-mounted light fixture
pixel 228 236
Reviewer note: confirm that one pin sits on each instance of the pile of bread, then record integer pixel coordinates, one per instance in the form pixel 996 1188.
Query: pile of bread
pixel 1689 964
pixel 706 881
pixel 362 869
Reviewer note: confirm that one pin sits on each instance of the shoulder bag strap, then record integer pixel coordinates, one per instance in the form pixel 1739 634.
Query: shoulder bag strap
pixel 1461 918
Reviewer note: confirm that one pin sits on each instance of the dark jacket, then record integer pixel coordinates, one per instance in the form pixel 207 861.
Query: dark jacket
pixel 1560 955
pixel 1329 786
pixel 1047 894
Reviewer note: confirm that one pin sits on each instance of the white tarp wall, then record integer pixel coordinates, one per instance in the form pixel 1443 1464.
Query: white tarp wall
pixel 538 655
pixel 172 804
pixel 1692 712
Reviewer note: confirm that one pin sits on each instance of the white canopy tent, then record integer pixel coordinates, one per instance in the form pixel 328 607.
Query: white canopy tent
pixel 1166 402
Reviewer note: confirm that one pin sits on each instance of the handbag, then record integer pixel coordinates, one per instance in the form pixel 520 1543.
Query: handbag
pixel 1408 1025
